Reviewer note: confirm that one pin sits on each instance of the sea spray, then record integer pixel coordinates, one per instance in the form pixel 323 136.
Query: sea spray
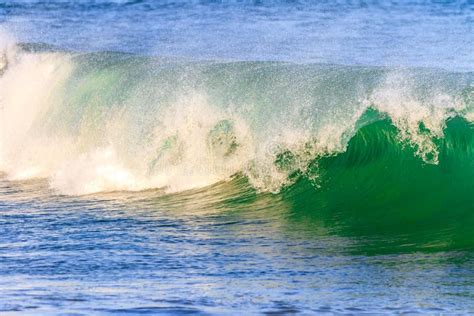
pixel 92 122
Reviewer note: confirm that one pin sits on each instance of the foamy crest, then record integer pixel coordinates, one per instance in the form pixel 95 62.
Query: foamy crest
pixel 420 118
pixel 190 126
pixel 178 156
pixel 183 154
pixel 27 90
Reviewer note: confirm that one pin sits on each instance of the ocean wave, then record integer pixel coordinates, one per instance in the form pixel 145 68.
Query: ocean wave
pixel 95 122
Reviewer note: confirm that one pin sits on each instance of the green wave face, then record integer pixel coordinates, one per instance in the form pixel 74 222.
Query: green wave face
pixel 380 191
pixel 381 157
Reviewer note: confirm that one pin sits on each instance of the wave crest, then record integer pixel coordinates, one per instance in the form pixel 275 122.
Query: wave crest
pixel 106 122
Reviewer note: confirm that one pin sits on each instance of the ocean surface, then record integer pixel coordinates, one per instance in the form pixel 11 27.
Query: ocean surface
pixel 236 157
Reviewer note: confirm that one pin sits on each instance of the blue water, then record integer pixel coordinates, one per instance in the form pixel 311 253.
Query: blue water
pixel 400 33
pixel 84 232
pixel 146 254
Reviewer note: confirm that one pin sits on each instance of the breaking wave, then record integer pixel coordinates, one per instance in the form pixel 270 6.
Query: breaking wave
pixel 95 122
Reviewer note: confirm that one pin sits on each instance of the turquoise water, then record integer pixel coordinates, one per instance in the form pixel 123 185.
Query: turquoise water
pixel 236 157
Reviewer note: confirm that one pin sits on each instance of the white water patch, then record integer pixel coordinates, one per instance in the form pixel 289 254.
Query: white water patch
pixel 97 171
pixel 178 157
pixel 470 117
pixel 27 90
pixel 265 174
pixel 95 160
pixel 182 152
pixel 419 119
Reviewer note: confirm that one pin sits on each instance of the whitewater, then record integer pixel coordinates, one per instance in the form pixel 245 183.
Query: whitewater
pixel 93 122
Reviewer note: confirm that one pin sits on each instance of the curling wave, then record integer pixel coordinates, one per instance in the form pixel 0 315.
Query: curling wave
pixel 94 122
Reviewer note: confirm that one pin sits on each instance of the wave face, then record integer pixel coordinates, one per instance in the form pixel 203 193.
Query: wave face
pixel 107 121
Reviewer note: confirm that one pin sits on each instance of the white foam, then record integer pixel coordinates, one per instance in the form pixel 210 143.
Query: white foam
pixel 27 90
pixel 397 97
pixel 171 150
